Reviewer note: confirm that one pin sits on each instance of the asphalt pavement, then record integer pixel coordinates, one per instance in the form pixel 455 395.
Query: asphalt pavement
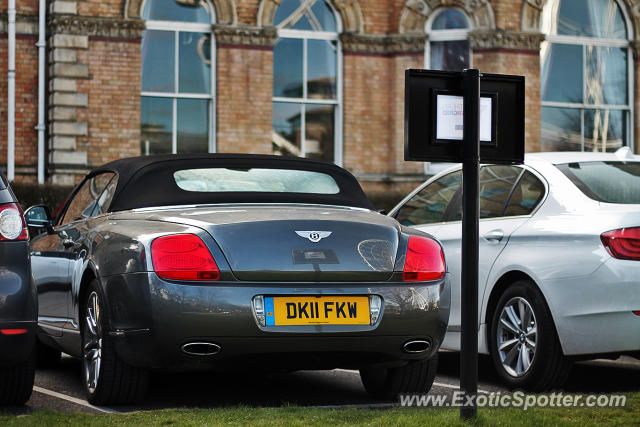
pixel 60 388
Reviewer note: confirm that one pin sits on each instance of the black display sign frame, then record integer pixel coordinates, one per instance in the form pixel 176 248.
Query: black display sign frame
pixel 507 119
pixel 493 96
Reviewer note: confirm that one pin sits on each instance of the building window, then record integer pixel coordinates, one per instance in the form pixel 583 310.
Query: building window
pixel 448 46
pixel 586 76
pixel 307 81
pixel 447 49
pixel 177 105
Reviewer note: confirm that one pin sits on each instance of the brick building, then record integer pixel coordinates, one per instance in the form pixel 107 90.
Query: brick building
pixel 317 78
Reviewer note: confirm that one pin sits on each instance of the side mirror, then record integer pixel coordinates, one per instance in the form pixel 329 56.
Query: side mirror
pixel 39 217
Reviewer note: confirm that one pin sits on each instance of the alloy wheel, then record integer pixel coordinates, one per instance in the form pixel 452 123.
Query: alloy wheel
pixel 92 343
pixel 517 336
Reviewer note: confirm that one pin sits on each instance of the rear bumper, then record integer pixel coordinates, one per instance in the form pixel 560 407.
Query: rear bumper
pixel 18 302
pixel 15 349
pixel 176 314
pixel 18 299
pixel 269 354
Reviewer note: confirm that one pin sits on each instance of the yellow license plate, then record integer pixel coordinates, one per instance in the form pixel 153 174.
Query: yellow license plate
pixel 325 310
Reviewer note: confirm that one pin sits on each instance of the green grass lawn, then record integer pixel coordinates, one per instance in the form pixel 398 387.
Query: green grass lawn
pixel 297 416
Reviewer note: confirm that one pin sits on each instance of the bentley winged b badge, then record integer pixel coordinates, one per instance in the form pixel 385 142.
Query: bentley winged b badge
pixel 314 236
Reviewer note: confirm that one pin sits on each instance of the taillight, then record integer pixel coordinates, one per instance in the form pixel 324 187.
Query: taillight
pixel 12 225
pixel 183 257
pixel 13 331
pixel 623 243
pixel 424 260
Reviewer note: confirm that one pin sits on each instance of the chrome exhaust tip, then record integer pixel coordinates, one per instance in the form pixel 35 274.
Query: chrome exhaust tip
pixel 416 346
pixel 200 348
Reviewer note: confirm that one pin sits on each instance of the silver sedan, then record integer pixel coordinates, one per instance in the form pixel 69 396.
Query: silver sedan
pixel 559 273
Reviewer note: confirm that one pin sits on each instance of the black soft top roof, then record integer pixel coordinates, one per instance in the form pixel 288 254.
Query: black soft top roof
pixel 148 181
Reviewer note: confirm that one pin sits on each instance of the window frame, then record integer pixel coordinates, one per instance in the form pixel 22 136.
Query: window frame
pixel 451 35
pixel 306 35
pixel 456 201
pixel 524 168
pixel 177 27
pixel 583 107
pixel 61 216
pixel 446 212
pixel 450 211
pixel 584 188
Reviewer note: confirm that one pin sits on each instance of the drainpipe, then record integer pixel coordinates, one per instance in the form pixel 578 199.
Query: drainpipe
pixel 11 92
pixel 40 127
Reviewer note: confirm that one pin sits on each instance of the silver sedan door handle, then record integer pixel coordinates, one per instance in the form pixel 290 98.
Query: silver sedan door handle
pixel 494 236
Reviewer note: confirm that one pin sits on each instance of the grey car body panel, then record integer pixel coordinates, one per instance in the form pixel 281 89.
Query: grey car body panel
pixel 258 252
pixel 16 294
pixel 259 241
pixel 18 307
pixel 165 314
pixel 222 313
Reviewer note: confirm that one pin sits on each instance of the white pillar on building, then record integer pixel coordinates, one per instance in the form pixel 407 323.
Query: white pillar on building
pixel 40 127
pixel 11 92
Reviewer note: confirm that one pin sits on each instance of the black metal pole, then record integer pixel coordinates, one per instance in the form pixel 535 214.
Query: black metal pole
pixel 470 235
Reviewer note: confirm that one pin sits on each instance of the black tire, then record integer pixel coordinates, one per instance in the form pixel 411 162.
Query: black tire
pixel 115 383
pixel 548 368
pixel 16 382
pixel 387 383
pixel 47 357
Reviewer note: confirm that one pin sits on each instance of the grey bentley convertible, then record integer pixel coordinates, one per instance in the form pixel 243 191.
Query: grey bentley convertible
pixel 219 261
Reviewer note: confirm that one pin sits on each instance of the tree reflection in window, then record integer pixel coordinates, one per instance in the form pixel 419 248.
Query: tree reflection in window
pixel 306 79
pixel 585 76
pixel 177 85
pixel 432 203
pixel 448 47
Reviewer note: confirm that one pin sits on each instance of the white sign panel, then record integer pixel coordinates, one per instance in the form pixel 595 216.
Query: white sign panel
pixel 449 118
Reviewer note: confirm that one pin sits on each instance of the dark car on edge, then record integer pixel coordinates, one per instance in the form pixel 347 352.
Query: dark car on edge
pixel 192 262
pixel 18 309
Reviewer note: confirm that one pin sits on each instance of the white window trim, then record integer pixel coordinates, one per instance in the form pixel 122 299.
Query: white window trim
pixel 599 42
pixel 448 35
pixel 177 27
pixel 307 34
pixel 338 157
pixel 581 40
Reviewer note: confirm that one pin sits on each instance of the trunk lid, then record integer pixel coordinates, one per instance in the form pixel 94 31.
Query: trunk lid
pixel 299 243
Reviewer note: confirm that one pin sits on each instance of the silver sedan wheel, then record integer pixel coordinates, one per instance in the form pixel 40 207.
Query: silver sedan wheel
pixel 92 343
pixel 517 335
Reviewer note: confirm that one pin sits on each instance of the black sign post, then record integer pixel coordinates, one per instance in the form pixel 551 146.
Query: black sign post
pixel 470 241
pixel 490 130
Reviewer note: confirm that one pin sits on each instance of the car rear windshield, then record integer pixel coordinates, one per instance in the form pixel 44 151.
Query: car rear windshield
pixel 610 182
pixel 262 180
